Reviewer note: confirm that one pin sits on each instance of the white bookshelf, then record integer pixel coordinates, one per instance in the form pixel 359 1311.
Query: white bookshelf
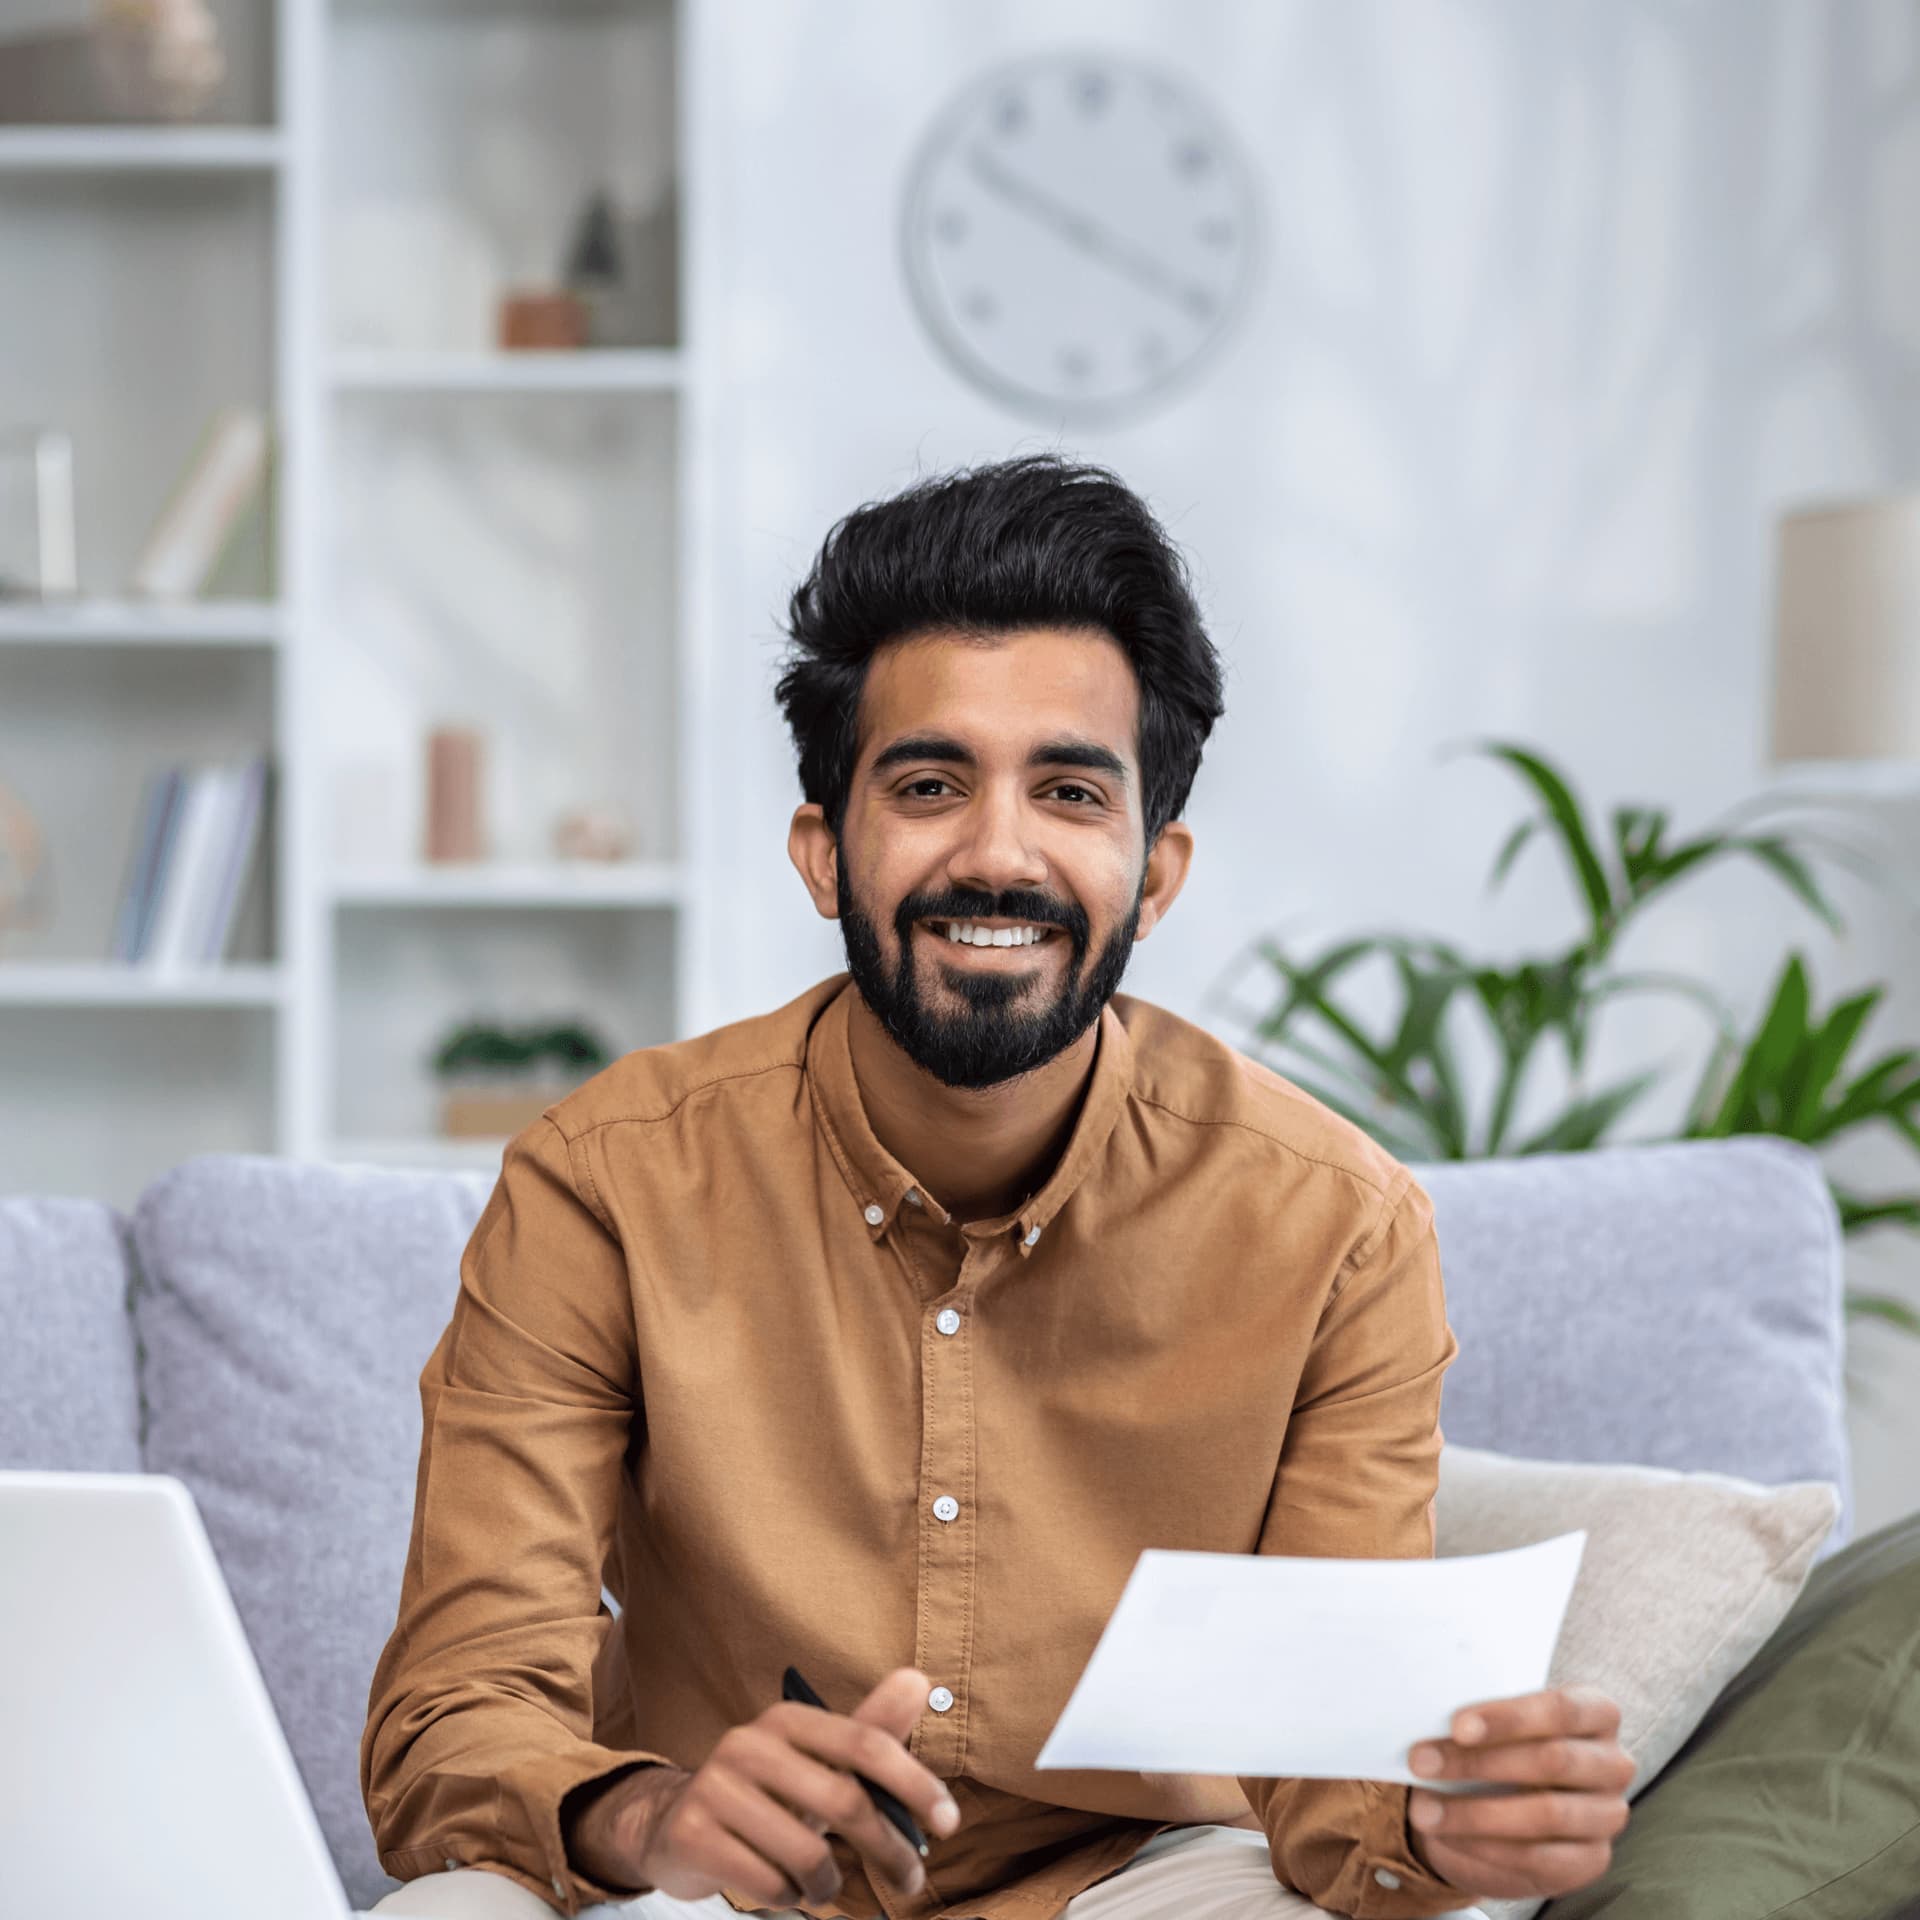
pixel 210 623
pixel 140 150
pixel 460 534
pixel 78 983
pixel 602 370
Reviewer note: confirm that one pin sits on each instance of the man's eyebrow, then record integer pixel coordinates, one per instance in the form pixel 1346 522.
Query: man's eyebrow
pixel 1050 753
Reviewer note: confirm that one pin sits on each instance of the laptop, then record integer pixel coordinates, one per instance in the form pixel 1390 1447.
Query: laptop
pixel 143 1771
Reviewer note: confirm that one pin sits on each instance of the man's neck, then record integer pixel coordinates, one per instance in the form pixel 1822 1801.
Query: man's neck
pixel 979 1151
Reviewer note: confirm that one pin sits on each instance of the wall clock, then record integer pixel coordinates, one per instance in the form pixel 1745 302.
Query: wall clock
pixel 1078 234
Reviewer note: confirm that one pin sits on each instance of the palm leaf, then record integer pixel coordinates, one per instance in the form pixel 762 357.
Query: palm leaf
pixel 1583 1123
pixel 1564 816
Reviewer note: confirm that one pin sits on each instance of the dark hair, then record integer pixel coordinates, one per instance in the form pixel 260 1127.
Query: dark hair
pixel 1030 542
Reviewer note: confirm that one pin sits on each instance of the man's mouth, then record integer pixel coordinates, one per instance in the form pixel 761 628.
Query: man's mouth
pixel 991 933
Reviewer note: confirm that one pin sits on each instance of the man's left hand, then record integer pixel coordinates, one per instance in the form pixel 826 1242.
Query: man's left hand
pixel 1558 1836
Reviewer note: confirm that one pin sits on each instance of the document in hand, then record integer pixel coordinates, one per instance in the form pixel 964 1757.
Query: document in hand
pixel 1282 1667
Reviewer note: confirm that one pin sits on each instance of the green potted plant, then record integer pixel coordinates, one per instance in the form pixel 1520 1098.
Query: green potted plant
pixel 495 1080
pixel 1793 1072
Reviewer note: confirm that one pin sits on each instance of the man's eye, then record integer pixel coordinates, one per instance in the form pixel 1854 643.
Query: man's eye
pixel 1085 793
pixel 930 780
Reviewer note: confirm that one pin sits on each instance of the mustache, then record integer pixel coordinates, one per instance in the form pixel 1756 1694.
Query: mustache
pixel 1018 903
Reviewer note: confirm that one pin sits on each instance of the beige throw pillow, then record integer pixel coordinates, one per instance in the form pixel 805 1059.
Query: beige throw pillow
pixel 1683 1577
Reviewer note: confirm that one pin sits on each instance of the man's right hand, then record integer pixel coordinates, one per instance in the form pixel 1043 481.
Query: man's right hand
pixel 750 1819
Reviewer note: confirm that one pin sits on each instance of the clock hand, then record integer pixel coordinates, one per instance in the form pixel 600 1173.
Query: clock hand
pixel 1089 235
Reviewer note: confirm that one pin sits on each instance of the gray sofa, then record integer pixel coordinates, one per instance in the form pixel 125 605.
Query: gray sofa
pixel 257 1328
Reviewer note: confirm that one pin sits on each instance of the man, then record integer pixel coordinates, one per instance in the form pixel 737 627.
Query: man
pixel 878 1335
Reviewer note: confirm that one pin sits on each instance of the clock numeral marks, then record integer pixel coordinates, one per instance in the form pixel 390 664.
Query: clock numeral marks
pixel 1092 90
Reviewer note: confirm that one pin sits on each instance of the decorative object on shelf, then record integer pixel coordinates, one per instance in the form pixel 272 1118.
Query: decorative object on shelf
pixel 542 321
pixel 38 560
pixel 26 872
pixel 1078 233
pixel 593 833
pixel 496 1080
pixel 1787 1078
pixel 196 529
pixel 193 850
pixel 139 60
pixel 602 272
pixel 158 59
pixel 456 826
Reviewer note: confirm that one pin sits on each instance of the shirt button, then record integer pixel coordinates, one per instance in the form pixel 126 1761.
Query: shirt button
pixel 451 1864
pixel 1033 1236
pixel 939 1699
pixel 946 1507
pixel 913 1196
pixel 947 1320
pixel 874 1215
pixel 1385 1878
pixel 558 1888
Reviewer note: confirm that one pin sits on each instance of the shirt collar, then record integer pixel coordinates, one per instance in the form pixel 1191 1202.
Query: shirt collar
pixel 879 1184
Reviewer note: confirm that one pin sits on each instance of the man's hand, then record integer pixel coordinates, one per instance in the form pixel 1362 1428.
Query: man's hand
pixel 1559 1836
pixel 750 1819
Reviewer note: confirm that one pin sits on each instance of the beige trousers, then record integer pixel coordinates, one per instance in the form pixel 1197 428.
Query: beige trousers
pixel 1186 1873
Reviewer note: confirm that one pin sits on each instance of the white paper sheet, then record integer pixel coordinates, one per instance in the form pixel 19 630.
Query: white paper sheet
pixel 1271 1666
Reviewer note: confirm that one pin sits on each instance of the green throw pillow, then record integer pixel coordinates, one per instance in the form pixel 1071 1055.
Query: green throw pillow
pixel 1798 1796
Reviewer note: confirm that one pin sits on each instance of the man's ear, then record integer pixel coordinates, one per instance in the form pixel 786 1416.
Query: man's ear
pixel 816 857
pixel 1167 868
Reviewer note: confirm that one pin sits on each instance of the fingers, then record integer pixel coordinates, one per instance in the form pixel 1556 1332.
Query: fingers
pixel 1598 1765
pixel 1528 1866
pixel 836 1796
pixel 1533 1817
pixel 897 1703
pixel 878 1729
pixel 732 1862
pixel 1539 1716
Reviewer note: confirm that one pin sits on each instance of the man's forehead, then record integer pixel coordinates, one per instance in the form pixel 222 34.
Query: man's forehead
pixel 1002 694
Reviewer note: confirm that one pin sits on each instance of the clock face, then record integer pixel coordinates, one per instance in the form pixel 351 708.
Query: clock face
pixel 1078 234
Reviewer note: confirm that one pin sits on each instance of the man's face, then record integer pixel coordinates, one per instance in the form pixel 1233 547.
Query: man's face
pixel 991 864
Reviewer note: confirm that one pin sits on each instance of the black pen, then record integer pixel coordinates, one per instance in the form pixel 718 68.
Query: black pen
pixel 793 1687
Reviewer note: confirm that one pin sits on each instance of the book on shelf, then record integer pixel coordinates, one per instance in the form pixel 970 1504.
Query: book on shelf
pixel 194 845
pixel 225 477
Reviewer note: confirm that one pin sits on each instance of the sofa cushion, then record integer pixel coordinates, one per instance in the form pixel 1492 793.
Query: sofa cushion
pixel 287 1310
pixel 1799 1793
pixel 69 1398
pixel 1682 1577
pixel 1677 1305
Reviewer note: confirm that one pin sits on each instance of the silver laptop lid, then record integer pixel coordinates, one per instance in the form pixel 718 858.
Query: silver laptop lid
pixel 142 1768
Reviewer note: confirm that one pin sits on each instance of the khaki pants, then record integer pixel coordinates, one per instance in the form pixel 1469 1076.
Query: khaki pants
pixel 1186 1873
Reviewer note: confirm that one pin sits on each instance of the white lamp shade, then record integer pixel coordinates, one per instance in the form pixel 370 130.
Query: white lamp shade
pixel 1846 680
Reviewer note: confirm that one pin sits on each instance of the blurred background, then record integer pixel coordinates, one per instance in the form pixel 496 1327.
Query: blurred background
pixel 414 413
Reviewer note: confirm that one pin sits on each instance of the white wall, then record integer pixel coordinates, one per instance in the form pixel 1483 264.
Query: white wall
pixel 1559 302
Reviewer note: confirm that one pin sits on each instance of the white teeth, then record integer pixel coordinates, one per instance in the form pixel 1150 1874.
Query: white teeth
pixel 973 935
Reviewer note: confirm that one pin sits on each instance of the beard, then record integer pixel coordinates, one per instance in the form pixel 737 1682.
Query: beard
pixel 988 1039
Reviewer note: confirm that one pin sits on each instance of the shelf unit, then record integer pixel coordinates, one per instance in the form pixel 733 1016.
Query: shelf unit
pixel 459 535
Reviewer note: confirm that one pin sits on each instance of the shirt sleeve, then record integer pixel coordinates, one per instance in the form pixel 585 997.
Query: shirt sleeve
pixel 480 1716
pixel 1358 1470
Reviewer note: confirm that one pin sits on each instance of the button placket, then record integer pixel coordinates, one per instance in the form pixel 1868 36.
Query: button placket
pixel 943 1627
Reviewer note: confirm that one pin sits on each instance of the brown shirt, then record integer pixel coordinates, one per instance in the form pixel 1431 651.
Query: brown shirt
pixel 713 1348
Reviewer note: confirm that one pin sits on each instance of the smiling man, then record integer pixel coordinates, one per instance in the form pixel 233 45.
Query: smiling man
pixel 877 1336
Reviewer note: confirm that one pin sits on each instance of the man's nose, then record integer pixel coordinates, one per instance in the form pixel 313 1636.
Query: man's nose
pixel 997 850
